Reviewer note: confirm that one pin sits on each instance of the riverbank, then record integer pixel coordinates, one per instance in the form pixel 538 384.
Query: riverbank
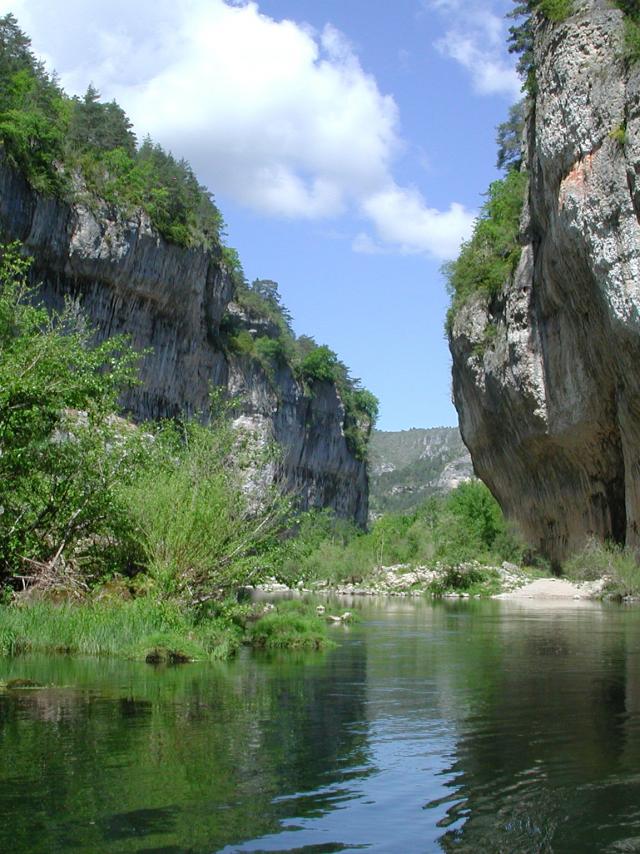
pixel 466 580
pixel 146 629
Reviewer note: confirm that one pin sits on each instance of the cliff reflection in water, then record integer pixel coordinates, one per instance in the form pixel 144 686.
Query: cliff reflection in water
pixel 475 726
pixel 191 757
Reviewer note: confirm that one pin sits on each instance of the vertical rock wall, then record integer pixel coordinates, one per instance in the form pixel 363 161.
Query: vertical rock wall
pixel 170 301
pixel 550 408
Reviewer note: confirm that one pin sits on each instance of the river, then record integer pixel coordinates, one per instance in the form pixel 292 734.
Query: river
pixel 475 726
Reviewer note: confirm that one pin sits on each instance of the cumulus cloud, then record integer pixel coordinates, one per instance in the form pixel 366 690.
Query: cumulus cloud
pixel 272 114
pixel 476 39
pixel 402 218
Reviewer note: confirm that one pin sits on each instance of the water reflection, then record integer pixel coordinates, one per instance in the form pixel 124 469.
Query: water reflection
pixel 472 727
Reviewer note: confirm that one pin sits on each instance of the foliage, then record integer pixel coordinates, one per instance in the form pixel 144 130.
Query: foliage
pixel 467 525
pixel 33 110
pixel 310 362
pixel 616 564
pixel 142 628
pixel 471 578
pixel 490 257
pixel 53 139
pixel 96 126
pixel 555 10
pixel 619 135
pixel 631 29
pixel 293 625
pixel 521 34
pixel 509 137
pixel 61 454
pixel 204 527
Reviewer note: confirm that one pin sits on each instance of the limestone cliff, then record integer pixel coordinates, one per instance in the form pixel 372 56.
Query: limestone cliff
pixel 409 466
pixel 170 301
pixel 549 401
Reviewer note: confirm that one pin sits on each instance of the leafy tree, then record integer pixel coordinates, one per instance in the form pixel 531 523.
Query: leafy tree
pixel 320 365
pixel 99 126
pixel 509 138
pixel 61 456
pixel 32 110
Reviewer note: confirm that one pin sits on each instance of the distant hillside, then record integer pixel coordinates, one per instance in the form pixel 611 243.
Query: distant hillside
pixel 410 465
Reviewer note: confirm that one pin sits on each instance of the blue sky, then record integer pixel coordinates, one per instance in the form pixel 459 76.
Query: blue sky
pixel 347 142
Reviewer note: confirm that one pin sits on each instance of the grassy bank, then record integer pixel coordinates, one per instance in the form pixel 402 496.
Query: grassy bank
pixel 616 565
pixel 148 630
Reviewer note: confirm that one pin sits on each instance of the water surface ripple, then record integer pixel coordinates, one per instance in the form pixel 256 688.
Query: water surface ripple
pixel 462 727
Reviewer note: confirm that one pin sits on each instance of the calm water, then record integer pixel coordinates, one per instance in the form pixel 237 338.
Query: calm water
pixel 472 727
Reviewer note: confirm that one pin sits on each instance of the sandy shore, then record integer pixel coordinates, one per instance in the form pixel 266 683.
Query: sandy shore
pixel 554 588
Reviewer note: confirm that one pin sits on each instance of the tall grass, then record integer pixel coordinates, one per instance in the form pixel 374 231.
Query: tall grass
pixel 140 629
pixel 148 629
pixel 616 565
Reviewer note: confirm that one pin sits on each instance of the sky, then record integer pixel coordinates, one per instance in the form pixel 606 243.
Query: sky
pixel 347 142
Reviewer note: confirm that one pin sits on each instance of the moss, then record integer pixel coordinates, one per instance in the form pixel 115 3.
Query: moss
pixel 619 135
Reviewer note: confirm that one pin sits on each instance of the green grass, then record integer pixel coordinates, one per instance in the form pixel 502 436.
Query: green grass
pixel 617 565
pixel 146 629
pixel 293 625
pixel 139 629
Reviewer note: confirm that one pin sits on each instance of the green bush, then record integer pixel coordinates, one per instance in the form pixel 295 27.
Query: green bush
pixel 619 135
pixel 202 528
pixel 616 564
pixel 490 257
pixel 62 455
pixel 555 10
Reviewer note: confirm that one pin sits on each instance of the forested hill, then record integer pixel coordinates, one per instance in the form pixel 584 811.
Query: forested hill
pixel 410 465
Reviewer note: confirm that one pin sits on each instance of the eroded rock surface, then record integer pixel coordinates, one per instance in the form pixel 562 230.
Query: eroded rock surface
pixel 170 301
pixel 550 408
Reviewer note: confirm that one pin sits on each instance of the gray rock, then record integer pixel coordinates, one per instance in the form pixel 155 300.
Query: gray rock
pixel 550 411
pixel 171 300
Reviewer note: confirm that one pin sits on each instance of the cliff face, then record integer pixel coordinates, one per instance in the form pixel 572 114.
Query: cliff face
pixel 171 301
pixel 550 409
pixel 408 466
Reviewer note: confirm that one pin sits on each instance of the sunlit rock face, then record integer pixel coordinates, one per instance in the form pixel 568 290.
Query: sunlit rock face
pixel 550 410
pixel 170 302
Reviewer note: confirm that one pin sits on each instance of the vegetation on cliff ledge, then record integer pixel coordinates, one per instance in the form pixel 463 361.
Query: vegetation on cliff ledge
pixel 84 150
pixel 490 257
pixel 80 148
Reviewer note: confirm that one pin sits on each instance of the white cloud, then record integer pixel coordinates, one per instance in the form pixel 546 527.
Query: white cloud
pixel 364 244
pixel 272 114
pixel 402 218
pixel 476 40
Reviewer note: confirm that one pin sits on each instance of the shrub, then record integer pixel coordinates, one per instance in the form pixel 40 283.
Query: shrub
pixel 320 365
pixel 203 528
pixel 490 257
pixel 619 135
pixel 616 564
pixel 61 454
pixel 555 10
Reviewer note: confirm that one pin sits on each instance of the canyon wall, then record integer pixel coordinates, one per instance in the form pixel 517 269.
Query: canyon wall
pixel 549 400
pixel 170 301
